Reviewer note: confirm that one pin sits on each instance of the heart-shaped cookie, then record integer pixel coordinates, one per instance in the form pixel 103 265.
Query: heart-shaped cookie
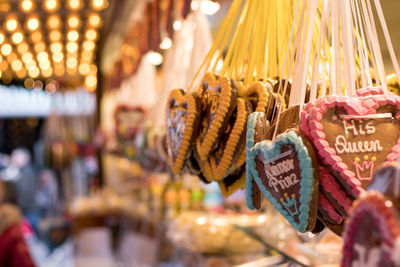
pixel 371 233
pixel 128 119
pixel 233 182
pixel 334 192
pixel 231 142
pixel 221 160
pixel 355 135
pixel 218 103
pixel 257 129
pixel 284 171
pixel 183 119
pixel 258 93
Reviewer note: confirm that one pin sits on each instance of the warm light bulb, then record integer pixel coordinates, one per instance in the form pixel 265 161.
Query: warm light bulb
pixel 91 81
pixel 6 49
pixel 30 65
pixel 27 56
pixel 84 68
pixel 47 72
pixel 92 69
pixel 177 25
pixel 86 55
pixel 209 7
pixel 42 56
pixel 17 37
pixel 72 62
pixel 33 23
pixel 94 20
pixel 44 64
pixel 39 47
pixel 58 57
pixel 154 58
pixel 16 65
pixel 55 36
pixel 50 5
pixel 74 4
pixel 36 36
pixel 29 83
pixel 73 36
pixel 11 57
pixel 59 70
pixel 166 43
pixel 91 35
pixel 73 21
pixel 34 73
pixel 26 5
pixel 22 48
pixel 21 73
pixel 72 47
pixel 56 47
pixel 3 65
pixel 11 24
pixel 53 22
pixel 88 45
pixel 99 4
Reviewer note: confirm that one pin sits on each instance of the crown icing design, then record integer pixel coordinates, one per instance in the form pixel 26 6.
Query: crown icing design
pixel 366 165
pixel 283 172
pixel 290 204
pixel 355 135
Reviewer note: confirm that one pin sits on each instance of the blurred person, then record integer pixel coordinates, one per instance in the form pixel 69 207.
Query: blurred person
pixel 47 194
pixel 13 249
pixel 26 185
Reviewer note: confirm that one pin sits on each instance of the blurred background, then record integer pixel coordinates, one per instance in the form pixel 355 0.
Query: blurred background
pixel 82 87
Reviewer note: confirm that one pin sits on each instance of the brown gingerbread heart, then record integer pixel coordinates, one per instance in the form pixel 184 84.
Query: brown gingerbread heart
pixel 183 119
pixel 218 103
pixel 220 161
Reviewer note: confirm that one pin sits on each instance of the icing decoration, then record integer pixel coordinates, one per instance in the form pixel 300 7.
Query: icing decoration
pixel 257 127
pixel 371 232
pixel 339 140
pixel 284 173
pixel 182 124
pixel 363 167
pixel 219 99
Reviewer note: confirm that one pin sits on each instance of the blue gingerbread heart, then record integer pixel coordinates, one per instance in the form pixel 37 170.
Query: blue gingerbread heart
pixel 283 171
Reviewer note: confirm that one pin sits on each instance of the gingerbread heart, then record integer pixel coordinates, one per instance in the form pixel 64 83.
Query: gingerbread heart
pixel 257 129
pixel 233 182
pixel 334 192
pixel 183 119
pixel 285 172
pixel 371 233
pixel 258 94
pixel 128 119
pixel 348 131
pixel 231 142
pixel 219 99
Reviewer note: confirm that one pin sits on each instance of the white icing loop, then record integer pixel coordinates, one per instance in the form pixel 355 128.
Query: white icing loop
pixel 278 157
pixel 367 116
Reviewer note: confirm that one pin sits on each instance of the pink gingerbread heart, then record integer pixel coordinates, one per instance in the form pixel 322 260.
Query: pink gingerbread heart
pixel 355 135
